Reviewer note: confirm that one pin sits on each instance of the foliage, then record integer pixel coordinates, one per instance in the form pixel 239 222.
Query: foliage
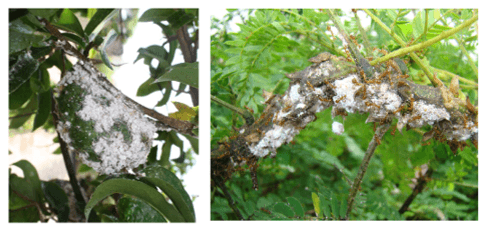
pixel 33 49
pixel 315 169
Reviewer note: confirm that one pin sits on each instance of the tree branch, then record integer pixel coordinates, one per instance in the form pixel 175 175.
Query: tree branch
pixel 375 141
pixel 422 182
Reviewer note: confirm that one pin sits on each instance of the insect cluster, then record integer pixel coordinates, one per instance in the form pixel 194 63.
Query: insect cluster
pixel 108 133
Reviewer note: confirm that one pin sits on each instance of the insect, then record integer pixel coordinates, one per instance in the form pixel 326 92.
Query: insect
pixel 399 109
pixel 329 84
pixel 372 104
pixel 377 140
pixel 287 108
pixel 249 109
pixel 411 103
pixel 259 131
pixel 310 85
pixel 356 82
pixel 411 41
pixel 418 117
pixel 341 98
pixel 394 130
pixel 383 75
pixel 324 99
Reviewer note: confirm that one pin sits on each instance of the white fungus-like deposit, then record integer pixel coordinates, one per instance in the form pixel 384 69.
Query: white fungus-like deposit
pixel 121 137
pixel 298 106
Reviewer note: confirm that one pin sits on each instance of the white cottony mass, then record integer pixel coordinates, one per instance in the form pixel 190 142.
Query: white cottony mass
pixel 337 128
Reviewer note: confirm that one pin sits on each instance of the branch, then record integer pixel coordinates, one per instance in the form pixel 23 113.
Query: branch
pixel 81 201
pixel 375 141
pixel 190 55
pixel 422 182
pixel 334 83
pixel 231 203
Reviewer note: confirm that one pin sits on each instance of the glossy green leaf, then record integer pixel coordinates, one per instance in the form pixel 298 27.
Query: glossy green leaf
pixel 19 97
pixel 45 13
pixel 166 97
pixel 40 81
pixel 156 15
pixel 21 71
pixel 104 56
pixel 132 209
pixel 148 87
pixel 284 209
pixel 22 36
pixel 171 181
pixel 70 22
pixel 296 206
pixel 20 192
pixel 187 73
pixel 138 189
pixel 154 51
pixel 76 39
pixel 194 143
pixel 95 21
pixel 31 176
pixel 44 109
pixel 57 199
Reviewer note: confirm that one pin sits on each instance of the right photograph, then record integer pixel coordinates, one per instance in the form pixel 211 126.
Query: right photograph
pixel 344 114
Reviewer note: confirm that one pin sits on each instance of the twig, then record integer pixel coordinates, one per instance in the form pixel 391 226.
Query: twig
pixel 228 197
pixel 414 56
pixel 244 113
pixel 380 131
pixel 366 42
pixel 422 182
pixel 190 55
pixel 81 202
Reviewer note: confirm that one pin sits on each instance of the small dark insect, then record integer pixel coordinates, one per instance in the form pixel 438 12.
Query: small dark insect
pixel 399 109
pixel 324 99
pixel 329 84
pixel 356 82
pixel 249 109
pixel 341 98
pixel 286 108
pixel 418 117
pixel 372 104
pixel 377 140
pixel 394 130
pixel 310 85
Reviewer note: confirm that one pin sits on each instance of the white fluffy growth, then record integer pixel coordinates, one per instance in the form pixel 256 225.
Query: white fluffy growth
pixel 273 139
pixel 337 128
pixel 345 90
pixel 106 108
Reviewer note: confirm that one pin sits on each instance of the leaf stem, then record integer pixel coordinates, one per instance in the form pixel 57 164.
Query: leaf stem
pixel 244 113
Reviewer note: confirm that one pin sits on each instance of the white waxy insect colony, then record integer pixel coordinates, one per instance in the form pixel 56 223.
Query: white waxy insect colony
pixel 300 102
pixel 108 133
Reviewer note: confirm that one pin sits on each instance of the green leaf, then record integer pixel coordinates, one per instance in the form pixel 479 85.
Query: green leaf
pixel 418 25
pixel 135 188
pixel 148 87
pixel 45 13
pixel 171 181
pixel 104 56
pixel 21 71
pixel 22 36
pixel 187 73
pixel 154 51
pixel 165 98
pixel 296 206
pixel 335 206
pixel 156 15
pixel 194 143
pixel 40 81
pixel 74 38
pixel 70 22
pixel 57 199
pixel 18 98
pixel 135 210
pixel 44 109
pixel 95 21
pixel 317 204
pixel 284 209
pixel 31 176
pixel 344 206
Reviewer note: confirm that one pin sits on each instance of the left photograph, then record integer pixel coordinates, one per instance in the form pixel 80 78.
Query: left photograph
pixel 103 115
